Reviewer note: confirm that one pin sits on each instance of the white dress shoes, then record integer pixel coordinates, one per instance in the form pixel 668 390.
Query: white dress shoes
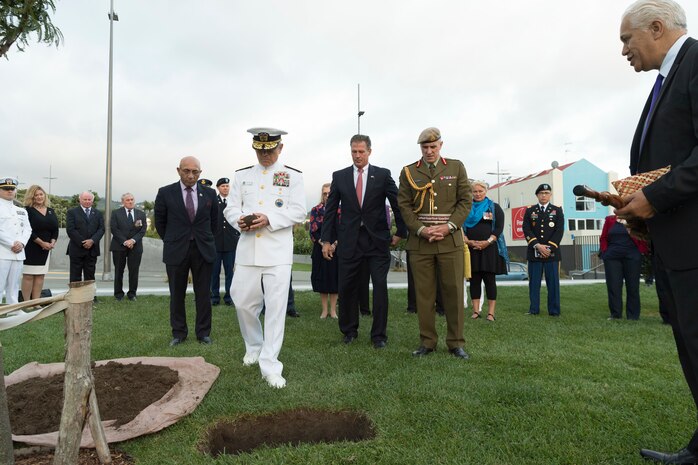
pixel 250 359
pixel 276 381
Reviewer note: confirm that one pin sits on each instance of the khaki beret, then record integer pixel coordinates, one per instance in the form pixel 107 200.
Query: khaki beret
pixel 429 135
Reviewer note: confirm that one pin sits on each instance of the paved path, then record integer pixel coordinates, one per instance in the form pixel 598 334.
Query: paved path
pixel 155 283
pixel 153 279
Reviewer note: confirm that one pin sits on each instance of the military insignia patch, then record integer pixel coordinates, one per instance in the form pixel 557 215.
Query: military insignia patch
pixel 282 178
pixel 279 203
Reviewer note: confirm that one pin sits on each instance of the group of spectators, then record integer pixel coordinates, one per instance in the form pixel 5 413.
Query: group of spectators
pixel 350 230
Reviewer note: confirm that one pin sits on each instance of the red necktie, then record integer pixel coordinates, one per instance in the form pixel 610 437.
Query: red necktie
pixel 360 186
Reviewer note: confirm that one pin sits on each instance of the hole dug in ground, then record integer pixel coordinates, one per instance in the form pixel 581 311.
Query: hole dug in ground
pixel 293 427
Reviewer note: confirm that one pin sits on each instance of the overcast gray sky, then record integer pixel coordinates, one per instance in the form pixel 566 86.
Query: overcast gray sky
pixel 519 83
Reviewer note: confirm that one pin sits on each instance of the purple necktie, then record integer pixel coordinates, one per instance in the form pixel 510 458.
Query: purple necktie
pixel 190 205
pixel 655 95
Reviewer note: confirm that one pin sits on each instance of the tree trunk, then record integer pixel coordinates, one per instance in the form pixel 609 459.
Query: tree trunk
pixel 79 384
pixel 6 450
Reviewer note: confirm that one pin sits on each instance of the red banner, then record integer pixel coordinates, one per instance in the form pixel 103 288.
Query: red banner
pixel 517 215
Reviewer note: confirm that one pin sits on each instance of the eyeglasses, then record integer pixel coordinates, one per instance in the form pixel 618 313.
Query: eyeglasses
pixel 8 188
pixel 188 172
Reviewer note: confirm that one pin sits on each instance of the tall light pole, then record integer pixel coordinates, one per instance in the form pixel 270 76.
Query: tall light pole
pixel 358 107
pixel 106 274
pixel 499 174
pixel 50 178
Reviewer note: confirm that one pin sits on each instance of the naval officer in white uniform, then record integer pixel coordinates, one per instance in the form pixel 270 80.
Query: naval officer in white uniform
pixel 264 203
pixel 14 235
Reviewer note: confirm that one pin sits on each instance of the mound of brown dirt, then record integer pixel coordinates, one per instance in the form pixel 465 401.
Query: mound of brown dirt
pixel 289 427
pixel 123 391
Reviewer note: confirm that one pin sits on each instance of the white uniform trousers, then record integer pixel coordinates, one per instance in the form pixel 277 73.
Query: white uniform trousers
pixel 10 273
pixel 248 296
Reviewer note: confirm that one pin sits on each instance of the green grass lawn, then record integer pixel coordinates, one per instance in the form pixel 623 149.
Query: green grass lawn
pixel 537 390
pixel 302 267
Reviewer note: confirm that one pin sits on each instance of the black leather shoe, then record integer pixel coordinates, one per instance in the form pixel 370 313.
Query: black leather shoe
pixel 379 344
pixel 215 302
pixel 348 339
pixel 205 340
pixel 229 303
pixel 684 456
pixel 460 353
pixel 132 298
pixel 422 351
pixel 119 298
pixel 365 313
pixel 293 314
pixel 176 341
pixel 411 310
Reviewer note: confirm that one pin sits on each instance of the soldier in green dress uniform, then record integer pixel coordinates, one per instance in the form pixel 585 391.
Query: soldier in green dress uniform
pixel 435 198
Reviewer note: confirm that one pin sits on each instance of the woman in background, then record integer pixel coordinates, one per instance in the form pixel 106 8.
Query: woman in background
pixel 482 228
pixel 622 261
pixel 325 273
pixel 44 225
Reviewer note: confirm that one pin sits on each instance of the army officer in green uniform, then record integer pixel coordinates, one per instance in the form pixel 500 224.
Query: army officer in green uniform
pixel 435 198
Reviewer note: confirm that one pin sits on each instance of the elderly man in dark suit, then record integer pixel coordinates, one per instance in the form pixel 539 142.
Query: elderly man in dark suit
pixel 128 226
pixel 654 37
pixel 85 228
pixel 186 215
pixel 363 235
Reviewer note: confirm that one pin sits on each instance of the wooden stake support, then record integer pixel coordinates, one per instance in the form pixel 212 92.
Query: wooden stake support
pixel 79 398
pixel 6 450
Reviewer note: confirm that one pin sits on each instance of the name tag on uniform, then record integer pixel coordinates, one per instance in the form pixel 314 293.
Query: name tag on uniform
pixel 487 216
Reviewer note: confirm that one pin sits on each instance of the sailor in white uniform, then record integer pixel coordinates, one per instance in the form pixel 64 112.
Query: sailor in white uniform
pixel 264 203
pixel 14 235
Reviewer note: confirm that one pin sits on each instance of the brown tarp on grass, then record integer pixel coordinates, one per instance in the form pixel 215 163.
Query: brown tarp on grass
pixel 196 377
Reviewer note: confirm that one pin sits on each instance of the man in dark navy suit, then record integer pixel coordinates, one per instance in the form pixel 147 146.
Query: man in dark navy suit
pixel 85 228
pixel 654 37
pixel 186 215
pixel 363 236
